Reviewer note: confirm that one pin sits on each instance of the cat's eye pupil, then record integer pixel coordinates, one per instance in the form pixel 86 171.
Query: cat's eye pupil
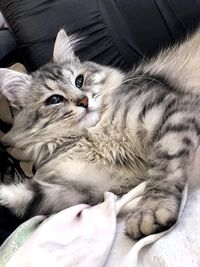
pixel 79 81
pixel 54 99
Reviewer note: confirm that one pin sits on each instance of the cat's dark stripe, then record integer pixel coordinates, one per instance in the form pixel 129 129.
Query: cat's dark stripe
pixel 129 93
pixel 150 105
pixel 179 154
pixel 47 123
pixel 135 87
pixel 65 115
pixel 179 127
pixel 56 76
pixel 170 105
pixel 193 121
pixel 187 125
pixel 116 109
pixel 50 71
pixel 164 81
pixel 125 113
pixel 166 127
pixel 34 120
pixel 168 114
pixel 163 192
pixel 49 88
pixel 148 82
pixel 34 205
pixel 142 84
pixel 179 188
pixel 187 141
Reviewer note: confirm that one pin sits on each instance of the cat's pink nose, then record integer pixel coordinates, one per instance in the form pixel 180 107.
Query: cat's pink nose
pixel 83 102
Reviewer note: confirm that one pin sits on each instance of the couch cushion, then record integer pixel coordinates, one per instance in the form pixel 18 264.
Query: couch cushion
pixel 117 32
pixel 8 49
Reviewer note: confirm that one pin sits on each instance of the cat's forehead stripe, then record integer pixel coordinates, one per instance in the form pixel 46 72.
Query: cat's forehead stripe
pixel 56 73
pixel 49 71
pixel 50 84
pixel 53 73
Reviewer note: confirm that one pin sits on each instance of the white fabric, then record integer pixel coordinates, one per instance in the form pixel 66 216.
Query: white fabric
pixel 2 22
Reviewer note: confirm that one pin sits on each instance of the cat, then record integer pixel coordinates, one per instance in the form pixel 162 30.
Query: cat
pixel 91 128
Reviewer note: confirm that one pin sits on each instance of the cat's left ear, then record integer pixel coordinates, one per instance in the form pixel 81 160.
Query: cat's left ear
pixel 64 48
pixel 14 86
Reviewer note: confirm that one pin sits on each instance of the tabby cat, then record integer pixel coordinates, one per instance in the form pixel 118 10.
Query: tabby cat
pixel 91 128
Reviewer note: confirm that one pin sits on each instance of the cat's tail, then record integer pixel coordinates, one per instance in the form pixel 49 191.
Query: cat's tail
pixel 179 65
pixel 34 197
pixel 22 199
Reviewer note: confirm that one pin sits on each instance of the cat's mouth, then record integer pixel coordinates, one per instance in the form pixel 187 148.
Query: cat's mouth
pixel 86 112
pixel 89 117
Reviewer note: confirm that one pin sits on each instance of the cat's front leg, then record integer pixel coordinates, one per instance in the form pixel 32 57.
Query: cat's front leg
pixel 167 177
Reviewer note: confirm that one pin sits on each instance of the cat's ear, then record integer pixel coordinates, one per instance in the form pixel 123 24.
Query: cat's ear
pixel 13 85
pixel 64 47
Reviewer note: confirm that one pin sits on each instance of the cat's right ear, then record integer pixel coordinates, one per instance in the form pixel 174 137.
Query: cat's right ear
pixel 13 85
pixel 64 48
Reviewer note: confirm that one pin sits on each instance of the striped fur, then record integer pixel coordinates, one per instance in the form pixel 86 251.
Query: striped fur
pixel 141 125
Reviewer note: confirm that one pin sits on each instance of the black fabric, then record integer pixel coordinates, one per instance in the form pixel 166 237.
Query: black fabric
pixel 8 52
pixel 117 32
pixel 36 23
pixel 9 168
pixel 8 223
pixel 141 27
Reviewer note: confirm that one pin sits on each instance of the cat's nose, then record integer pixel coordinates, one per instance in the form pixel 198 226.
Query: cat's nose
pixel 83 102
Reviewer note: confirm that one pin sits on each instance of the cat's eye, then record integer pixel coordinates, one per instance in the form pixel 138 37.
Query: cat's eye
pixel 79 81
pixel 54 99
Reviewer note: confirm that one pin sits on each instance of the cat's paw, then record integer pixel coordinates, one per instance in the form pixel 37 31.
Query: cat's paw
pixel 152 216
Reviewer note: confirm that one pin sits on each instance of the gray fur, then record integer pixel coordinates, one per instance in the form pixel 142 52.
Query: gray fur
pixel 143 125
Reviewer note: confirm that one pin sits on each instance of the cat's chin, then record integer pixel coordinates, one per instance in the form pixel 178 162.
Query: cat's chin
pixel 90 119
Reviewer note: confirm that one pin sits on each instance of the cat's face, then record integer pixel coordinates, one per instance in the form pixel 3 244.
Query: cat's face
pixel 64 94
pixel 68 92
